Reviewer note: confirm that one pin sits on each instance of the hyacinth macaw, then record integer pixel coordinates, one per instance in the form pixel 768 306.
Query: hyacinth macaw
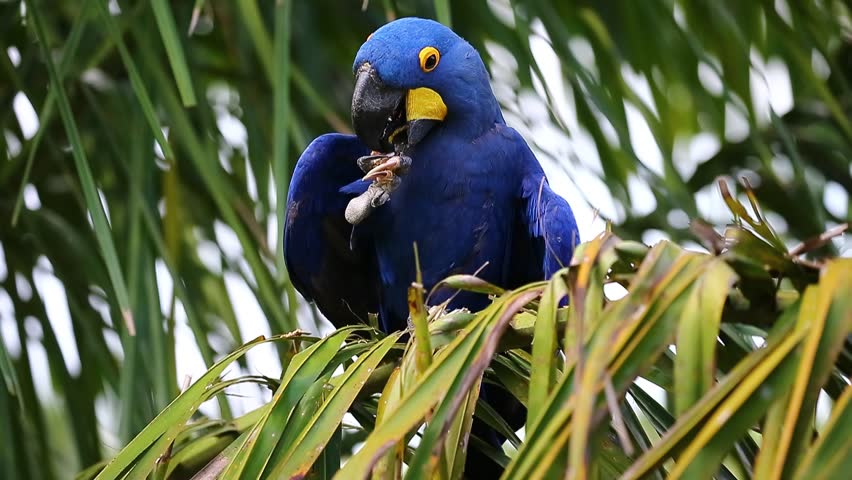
pixel 472 194
pixel 458 182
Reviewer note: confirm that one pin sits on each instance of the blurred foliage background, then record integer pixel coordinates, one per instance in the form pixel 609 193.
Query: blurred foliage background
pixel 147 146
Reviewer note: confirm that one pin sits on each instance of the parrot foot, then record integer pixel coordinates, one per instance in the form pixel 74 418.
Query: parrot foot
pixel 384 166
pixel 377 194
pixel 384 171
pixel 367 162
pixel 404 165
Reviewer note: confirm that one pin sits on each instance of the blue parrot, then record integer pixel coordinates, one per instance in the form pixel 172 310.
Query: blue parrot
pixel 444 171
pixel 459 183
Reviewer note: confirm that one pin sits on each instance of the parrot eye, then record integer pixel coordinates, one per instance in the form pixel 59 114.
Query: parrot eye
pixel 429 58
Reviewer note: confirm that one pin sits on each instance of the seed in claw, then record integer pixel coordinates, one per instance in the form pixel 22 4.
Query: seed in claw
pixel 383 170
pixel 367 162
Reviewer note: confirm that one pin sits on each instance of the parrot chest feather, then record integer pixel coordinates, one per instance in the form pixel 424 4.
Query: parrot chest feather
pixel 456 203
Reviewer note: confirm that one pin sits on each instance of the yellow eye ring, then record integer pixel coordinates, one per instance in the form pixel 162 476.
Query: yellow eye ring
pixel 429 58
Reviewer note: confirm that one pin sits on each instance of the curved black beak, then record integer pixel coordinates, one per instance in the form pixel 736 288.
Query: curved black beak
pixel 376 109
pixel 389 119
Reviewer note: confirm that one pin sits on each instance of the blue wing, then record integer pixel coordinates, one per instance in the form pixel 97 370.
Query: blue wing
pixel 545 231
pixel 327 262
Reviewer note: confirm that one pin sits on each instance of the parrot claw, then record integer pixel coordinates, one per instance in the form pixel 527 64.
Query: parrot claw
pixel 380 199
pixel 367 162
pixel 384 171
pixel 383 166
pixel 404 165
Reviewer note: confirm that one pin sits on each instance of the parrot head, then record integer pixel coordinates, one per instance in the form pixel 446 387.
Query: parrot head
pixel 413 75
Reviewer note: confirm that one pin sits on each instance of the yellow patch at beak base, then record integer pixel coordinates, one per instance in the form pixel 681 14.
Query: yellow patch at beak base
pixel 424 103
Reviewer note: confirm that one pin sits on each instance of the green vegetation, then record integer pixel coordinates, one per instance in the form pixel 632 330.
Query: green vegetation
pixel 167 131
